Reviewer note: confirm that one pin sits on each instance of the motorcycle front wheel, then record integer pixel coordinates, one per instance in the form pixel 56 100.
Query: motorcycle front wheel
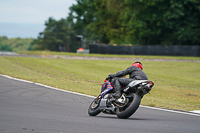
pixel 128 110
pixel 93 109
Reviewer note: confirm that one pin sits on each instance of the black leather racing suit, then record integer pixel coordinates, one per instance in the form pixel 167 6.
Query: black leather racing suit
pixel 134 73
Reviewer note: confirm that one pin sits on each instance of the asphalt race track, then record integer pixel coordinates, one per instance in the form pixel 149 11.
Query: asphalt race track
pixel 30 108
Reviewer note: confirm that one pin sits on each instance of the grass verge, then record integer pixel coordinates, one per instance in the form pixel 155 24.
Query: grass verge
pixel 177 84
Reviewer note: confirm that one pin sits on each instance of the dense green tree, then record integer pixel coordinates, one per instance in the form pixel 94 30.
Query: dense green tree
pixel 4 47
pixel 154 22
pixel 107 24
pixel 80 18
pixel 57 36
pixel 165 22
pixel 15 44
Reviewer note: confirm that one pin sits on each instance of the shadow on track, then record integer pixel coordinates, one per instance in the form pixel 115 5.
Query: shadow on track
pixel 134 119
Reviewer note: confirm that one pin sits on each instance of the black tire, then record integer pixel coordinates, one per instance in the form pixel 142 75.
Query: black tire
pixel 93 109
pixel 130 108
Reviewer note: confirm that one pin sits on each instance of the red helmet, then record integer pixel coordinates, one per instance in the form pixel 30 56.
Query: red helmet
pixel 138 64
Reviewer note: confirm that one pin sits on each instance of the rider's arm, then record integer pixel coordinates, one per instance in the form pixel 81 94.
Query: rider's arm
pixel 123 73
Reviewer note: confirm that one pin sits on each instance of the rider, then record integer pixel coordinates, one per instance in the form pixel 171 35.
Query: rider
pixel 135 73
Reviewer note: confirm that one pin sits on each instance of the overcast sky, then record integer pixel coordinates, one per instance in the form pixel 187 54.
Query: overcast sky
pixel 14 13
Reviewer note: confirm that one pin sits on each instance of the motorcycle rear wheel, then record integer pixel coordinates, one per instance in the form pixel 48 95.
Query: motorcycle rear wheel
pixel 130 108
pixel 93 109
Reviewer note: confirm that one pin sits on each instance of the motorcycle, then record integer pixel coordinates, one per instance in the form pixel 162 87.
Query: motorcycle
pixel 126 105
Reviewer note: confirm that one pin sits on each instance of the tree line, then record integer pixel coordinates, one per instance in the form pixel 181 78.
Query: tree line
pixel 136 22
pixel 15 44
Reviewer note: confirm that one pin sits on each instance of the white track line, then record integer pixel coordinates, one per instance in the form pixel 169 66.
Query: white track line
pixel 167 110
pixel 173 111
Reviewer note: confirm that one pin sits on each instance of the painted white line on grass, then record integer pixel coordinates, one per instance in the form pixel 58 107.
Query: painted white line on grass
pixel 76 93
pixel 26 81
pixel 195 111
pixel 22 80
pixel 7 76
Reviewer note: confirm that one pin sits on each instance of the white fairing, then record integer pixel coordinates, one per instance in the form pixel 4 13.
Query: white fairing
pixel 136 82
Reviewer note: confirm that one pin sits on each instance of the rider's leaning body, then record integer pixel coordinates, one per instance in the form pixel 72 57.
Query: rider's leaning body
pixel 135 72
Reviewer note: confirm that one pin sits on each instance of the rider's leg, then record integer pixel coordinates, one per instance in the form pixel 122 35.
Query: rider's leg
pixel 117 86
pixel 125 81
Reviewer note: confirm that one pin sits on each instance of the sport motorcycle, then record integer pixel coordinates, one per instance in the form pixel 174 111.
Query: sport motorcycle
pixel 126 105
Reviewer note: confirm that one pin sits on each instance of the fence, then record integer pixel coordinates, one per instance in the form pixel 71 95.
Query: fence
pixel 176 50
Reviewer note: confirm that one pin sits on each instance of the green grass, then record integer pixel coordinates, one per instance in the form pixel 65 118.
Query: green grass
pixel 177 84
